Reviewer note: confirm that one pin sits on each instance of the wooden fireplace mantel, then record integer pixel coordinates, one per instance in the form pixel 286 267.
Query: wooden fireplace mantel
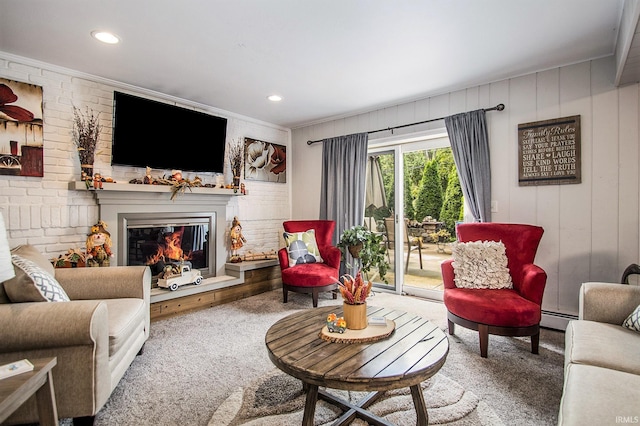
pixel 132 187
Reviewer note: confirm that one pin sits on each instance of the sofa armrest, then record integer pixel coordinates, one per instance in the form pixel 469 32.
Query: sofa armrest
pixel 106 283
pixel 40 325
pixel 607 302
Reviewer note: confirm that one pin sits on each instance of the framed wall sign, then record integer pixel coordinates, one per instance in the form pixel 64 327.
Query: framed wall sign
pixel 21 141
pixel 265 161
pixel 549 152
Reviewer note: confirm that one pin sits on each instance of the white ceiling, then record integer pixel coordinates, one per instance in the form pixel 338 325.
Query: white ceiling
pixel 326 58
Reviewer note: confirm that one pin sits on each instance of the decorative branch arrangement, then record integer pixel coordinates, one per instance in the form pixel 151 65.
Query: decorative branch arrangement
pixel 178 186
pixel 354 291
pixel 235 153
pixel 86 130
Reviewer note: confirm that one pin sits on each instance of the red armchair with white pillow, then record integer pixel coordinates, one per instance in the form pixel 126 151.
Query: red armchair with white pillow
pixel 310 263
pixel 492 285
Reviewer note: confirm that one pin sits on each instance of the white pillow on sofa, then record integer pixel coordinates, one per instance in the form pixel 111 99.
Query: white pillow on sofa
pixel 33 281
pixel 481 264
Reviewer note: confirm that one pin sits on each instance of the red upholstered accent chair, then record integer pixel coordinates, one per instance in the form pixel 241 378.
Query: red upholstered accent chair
pixel 504 312
pixel 311 277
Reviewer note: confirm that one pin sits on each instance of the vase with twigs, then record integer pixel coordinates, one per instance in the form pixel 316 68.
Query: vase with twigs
pixel 235 151
pixel 354 293
pixel 86 130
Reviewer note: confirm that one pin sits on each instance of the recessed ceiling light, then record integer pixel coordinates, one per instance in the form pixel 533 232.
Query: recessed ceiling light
pixel 274 98
pixel 105 37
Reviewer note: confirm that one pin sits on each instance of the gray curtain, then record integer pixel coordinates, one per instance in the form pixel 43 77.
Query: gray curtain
pixel 470 147
pixel 344 163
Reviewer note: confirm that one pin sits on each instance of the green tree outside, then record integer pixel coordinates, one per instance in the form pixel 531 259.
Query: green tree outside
pixel 452 207
pixel 429 200
pixel 409 209
pixel 444 157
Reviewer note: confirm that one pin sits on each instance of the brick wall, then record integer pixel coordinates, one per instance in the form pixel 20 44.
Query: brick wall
pixel 43 212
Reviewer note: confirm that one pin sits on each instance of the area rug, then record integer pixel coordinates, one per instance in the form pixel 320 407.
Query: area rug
pixel 278 399
pixel 211 367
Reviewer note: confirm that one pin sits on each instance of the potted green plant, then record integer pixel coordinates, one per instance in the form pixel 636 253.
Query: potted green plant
pixel 366 248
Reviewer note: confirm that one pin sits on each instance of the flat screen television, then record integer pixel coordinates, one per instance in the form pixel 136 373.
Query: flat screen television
pixel 164 136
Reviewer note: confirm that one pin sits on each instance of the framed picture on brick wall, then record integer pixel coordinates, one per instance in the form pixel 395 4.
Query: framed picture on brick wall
pixel 21 141
pixel 265 161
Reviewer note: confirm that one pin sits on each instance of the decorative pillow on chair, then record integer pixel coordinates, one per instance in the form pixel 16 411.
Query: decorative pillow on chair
pixel 302 247
pixel 633 321
pixel 32 283
pixel 481 264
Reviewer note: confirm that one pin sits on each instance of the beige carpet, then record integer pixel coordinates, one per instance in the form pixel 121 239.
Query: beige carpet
pixel 211 367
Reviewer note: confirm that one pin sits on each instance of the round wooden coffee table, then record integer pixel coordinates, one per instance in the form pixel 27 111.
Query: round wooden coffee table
pixel 415 351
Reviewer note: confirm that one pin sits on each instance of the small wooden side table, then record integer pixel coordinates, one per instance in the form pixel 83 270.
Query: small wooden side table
pixel 16 390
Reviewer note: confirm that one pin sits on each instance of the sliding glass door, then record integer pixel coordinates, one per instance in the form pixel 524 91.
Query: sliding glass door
pixel 423 203
pixel 379 208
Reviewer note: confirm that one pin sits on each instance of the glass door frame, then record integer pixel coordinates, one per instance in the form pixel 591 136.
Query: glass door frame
pixel 399 145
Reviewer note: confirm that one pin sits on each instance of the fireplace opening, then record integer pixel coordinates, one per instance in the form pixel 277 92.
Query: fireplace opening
pixel 159 242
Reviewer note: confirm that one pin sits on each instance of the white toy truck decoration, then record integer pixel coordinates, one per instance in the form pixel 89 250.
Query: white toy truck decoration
pixel 186 275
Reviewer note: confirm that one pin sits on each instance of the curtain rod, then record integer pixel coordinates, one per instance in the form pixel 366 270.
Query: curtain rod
pixel 498 107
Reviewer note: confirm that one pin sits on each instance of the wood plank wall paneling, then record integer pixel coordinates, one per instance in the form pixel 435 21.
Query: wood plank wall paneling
pixel 547 106
pixel 575 200
pixel 629 158
pixel 591 229
pixel 604 225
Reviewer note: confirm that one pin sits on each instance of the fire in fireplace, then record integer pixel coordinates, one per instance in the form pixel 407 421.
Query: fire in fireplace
pixel 167 241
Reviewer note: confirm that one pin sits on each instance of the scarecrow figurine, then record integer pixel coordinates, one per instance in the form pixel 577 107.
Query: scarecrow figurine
pixel 237 240
pixel 99 245
pixel 97 181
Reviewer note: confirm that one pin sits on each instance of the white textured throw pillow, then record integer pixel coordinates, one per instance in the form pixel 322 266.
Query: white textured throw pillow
pixel 36 285
pixel 633 321
pixel 481 264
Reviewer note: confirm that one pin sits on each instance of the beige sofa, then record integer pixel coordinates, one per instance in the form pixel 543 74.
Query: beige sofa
pixel 602 359
pixel 95 336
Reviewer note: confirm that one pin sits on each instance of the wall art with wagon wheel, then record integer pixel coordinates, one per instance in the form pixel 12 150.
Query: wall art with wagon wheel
pixel 21 141
pixel 265 161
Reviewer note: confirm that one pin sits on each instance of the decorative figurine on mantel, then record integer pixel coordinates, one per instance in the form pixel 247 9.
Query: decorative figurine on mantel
pixel 237 240
pixel 99 245
pixel 97 181
pixel 148 179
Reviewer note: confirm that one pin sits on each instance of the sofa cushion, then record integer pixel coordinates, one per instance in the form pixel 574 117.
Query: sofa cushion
pixel 481 264
pixel 501 307
pixel 310 275
pixel 30 252
pixel 33 283
pixel 598 396
pixel 602 345
pixel 126 316
pixel 633 320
